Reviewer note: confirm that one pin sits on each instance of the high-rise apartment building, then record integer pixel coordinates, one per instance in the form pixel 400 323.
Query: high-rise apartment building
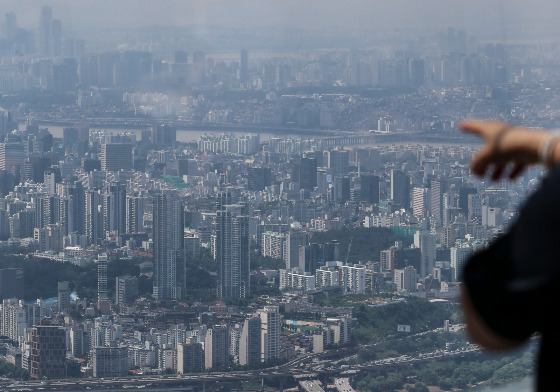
pixel 400 188
pixel 77 342
pixel 341 189
pixel 102 263
pixel 436 202
pixel 135 206
pixel 420 202
pixel 353 279
pixel 116 156
pixel 243 67
pixel 164 134
pixel 272 244
pixel 338 162
pixel 216 351
pixel 50 237
pixel 13 319
pixel 169 257
pixel 187 167
pixel 369 191
pixel 250 341
pixel 304 172
pixel 110 361
pixel 190 357
pixel 232 252
pixel 12 158
pixel 45 29
pixel 426 241
pixel 258 178
pixel 270 332
pixel 126 289
pixel 459 257
pixel 405 279
pixel 114 208
pixel 294 239
pixel 63 297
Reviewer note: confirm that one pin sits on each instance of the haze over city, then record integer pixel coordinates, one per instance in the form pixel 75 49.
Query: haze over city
pixel 491 19
pixel 206 195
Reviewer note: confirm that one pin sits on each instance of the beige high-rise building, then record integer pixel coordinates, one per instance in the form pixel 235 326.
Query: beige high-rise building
pixel 405 279
pixel 190 357
pixel 216 351
pixel 250 342
pixel 270 332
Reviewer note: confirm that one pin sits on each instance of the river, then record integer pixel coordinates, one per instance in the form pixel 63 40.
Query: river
pixel 190 135
pixel 524 385
pixel 182 134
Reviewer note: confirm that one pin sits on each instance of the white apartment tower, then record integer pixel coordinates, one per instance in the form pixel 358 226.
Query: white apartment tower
pixel 270 332
pixel 250 341
pixel 353 279
pixel 405 279
pixel 459 256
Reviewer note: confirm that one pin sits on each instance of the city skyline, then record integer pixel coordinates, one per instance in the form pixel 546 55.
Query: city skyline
pixel 267 195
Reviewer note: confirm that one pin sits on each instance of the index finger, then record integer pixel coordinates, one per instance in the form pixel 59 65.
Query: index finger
pixel 473 126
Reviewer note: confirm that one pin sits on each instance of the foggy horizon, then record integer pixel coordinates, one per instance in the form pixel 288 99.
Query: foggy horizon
pixel 491 21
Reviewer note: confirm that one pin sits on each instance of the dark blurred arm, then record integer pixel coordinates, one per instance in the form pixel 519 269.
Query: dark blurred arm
pixel 479 331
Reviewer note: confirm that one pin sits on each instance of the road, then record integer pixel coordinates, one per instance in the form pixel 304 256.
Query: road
pixel 188 381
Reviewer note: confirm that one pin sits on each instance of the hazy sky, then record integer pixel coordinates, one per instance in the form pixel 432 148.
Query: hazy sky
pixel 503 19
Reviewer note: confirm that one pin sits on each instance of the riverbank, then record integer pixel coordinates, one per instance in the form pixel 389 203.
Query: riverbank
pixel 522 385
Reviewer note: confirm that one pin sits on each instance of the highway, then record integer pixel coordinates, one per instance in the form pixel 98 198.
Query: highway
pixel 195 381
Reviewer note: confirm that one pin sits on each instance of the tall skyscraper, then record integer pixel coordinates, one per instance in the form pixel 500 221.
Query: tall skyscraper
pixel 426 241
pixel 294 240
pixel 63 297
pixel 126 289
pixel 341 189
pixel 233 252
pixel 244 67
pixel 115 208
pixel 338 162
pixel 270 332
pixel 135 206
pixel 369 188
pixel 420 201
pixel 169 257
pixel 400 188
pixel 216 347
pixel 48 352
pixel 12 158
pixel 116 156
pixel 93 216
pixel 436 202
pixel 464 193
pixel 258 178
pixel 102 262
pixel 190 357
pixel 45 30
pixel 304 172
pixel 250 341
pixel 110 361
pixel 459 257
pixel 164 135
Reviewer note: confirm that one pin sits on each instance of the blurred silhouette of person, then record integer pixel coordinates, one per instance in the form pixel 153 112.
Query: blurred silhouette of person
pixel 510 289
